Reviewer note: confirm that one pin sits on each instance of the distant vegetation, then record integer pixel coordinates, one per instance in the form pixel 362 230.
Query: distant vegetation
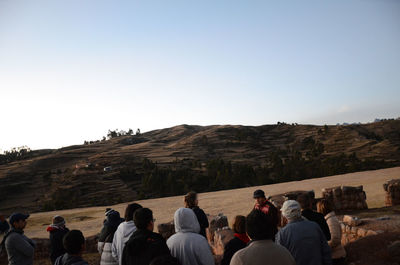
pixel 15 154
pixel 218 174
pixel 113 134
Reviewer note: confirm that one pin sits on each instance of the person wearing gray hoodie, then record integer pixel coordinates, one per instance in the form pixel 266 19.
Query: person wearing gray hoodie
pixel 20 249
pixel 124 232
pixel 187 245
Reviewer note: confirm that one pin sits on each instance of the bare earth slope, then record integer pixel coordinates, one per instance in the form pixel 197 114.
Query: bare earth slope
pixel 229 202
pixel 73 176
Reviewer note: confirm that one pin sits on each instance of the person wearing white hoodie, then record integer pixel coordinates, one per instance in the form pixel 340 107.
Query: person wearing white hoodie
pixel 187 245
pixel 124 232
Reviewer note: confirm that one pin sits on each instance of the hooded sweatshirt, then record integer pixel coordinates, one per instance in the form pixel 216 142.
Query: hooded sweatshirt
pixel 121 236
pixel 68 259
pixel 189 247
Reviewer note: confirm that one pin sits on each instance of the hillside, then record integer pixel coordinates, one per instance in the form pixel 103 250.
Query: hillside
pixel 204 158
pixel 229 202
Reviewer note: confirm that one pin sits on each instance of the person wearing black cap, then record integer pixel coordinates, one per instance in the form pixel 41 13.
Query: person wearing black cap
pixel 262 204
pixel 19 248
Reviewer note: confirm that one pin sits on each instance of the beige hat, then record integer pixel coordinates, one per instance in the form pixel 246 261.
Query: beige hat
pixel 291 209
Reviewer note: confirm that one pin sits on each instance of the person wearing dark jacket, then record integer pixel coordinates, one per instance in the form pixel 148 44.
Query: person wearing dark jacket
pixel 265 206
pixel 144 245
pixel 191 201
pixel 20 249
pixel 57 231
pixel 74 244
pixel 239 241
pixel 106 236
pixel 305 202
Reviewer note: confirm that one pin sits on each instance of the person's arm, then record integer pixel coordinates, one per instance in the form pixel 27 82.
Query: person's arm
pixel 100 247
pixel 325 228
pixel 336 233
pixel 278 238
pixel 228 254
pixel 114 247
pixel 203 219
pixel 19 243
pixel 326 251
pixel 205 256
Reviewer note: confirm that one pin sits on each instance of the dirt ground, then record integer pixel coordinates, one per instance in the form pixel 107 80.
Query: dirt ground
pixel 229 202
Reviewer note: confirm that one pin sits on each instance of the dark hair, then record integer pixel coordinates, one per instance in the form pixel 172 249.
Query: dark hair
pixel 165 260
pixel 130 210
pixel 142 218
pixel 324 206
pixel 304 200
pixel 259 226
pixel 239 225
pixel 190 199
pixel 73 242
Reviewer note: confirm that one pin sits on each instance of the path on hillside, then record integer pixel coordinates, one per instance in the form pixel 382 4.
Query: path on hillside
pixel 229 202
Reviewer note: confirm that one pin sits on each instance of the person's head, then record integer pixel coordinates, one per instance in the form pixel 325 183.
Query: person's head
pixel 58 221
pixel 18 220
pixel 143 219
pixel 259 196
pixel 74 242
pixel 185 221
pixel 108 210
pixel 259 226
pixel 239 225
pixel 304 200
pixel 291 210
pixel 113 219
pixel 191 199
pixel 324 206
pixel 2 218
pixel 130 210
pixel 165 260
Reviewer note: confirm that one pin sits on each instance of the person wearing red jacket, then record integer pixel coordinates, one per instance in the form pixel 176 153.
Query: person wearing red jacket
pixel 263 205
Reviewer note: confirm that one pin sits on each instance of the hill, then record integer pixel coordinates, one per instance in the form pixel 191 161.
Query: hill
pixel 204 158
pixel 229 202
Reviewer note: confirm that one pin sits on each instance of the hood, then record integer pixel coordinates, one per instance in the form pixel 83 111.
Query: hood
pixel 127 228
pixel 186 221
pixel 52 228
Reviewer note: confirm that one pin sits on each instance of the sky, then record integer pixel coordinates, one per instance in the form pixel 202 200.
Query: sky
pixel 72 70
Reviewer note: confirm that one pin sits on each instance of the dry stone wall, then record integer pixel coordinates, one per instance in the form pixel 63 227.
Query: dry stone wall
pixel 346 198
pixel 350 231
pixel 392 188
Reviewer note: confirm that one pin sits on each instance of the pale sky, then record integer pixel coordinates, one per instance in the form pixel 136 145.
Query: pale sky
pixel 71 70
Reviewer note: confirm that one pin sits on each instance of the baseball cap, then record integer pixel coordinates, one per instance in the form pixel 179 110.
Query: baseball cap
pixel 291 209
pixel 15 217
pixel 258 194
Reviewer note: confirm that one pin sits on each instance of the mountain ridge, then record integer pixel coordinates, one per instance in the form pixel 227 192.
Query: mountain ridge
pixel 173 160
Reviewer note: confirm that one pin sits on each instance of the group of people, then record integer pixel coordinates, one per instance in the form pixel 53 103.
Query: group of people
pixel 307 237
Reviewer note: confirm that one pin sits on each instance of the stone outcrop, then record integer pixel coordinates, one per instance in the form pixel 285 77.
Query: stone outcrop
pixel 350 231
pixel 392 188
pixel 346 198
pixel 166 230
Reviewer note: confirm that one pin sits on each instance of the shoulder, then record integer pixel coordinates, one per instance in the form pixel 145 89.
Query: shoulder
pixel 156 236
